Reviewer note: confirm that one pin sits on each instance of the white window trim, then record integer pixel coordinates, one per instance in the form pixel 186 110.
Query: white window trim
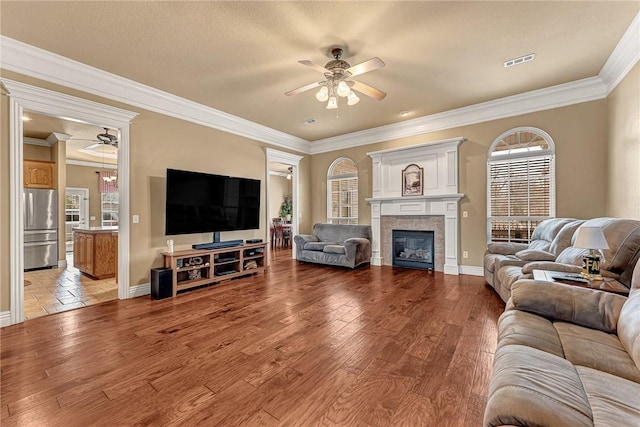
pixel 331 177
pixel 548 153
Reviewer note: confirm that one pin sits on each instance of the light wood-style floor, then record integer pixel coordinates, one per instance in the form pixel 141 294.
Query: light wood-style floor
pixel 55 290
pixel 301 345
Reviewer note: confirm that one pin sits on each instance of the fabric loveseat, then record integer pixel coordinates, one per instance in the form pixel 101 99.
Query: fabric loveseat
pixel 567 357
pixel 623 238
pixel 335 244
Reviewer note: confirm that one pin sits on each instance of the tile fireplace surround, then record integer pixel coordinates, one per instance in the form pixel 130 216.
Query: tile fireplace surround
pixel 440 198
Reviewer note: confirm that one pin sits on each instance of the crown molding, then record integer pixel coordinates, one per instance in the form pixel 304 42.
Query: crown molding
pixel 29 60
pixel 38 63
pixel 90 164
pixel 584 90
pixel 624 57
pixel 37 141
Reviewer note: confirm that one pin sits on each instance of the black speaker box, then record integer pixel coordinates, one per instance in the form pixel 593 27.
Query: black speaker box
pixel 161 283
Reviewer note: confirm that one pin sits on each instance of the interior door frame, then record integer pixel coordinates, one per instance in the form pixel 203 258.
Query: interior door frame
pixel 292 160
pixel 84 204
pixel 24 97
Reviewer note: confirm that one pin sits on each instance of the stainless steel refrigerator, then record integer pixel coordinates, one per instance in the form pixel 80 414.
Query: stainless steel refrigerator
pixel 40 228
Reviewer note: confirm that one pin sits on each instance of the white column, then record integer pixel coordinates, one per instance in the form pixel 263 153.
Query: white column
pixel 376 258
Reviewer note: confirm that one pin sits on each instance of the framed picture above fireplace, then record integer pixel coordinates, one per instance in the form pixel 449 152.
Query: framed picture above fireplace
pixel 412 183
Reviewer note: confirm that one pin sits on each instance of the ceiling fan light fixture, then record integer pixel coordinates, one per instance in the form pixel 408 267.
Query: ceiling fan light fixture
pixel 107 138
pixel 343 89
pixel 323 94
pixel 332 104
pixel 352 98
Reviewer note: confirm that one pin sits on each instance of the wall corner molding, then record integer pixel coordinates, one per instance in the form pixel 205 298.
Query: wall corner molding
pixel 624 57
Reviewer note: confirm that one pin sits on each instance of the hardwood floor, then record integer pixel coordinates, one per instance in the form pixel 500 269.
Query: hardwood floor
pixel 301 345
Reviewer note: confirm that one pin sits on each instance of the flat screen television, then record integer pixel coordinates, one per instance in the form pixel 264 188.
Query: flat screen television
pixel 201 203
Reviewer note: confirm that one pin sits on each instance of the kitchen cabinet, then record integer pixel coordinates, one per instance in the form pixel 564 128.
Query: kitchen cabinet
pixel 38 174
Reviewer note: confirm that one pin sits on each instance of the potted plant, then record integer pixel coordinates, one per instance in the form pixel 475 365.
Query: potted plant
pixel 285 208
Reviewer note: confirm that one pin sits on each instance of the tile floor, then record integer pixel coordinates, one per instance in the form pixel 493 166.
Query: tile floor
pixel 60 289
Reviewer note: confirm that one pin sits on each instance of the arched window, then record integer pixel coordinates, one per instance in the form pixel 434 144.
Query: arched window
pixel 520 184
pixel 342 192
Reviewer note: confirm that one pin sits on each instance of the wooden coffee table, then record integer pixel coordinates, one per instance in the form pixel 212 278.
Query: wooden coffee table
pixel 607 284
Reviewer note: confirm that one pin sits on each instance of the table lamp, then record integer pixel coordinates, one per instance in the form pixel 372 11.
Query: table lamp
pixel 593 239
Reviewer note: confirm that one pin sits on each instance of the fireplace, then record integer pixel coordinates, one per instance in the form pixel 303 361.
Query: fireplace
pixel 413 249
pixel 391 210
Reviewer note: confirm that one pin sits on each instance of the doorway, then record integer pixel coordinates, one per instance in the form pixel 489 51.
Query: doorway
pixel 286 167
pixel 24 98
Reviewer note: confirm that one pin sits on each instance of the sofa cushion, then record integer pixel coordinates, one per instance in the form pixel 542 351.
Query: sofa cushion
pixel 565 237
pixel 629 321
pixel 334 249
pixel 596 349
pixel 614 401
pixel 316 246
pixel 571 255
pixel 338 233
pixel 535 255
pixel 567 303
pixel 530 387
pixel 520 327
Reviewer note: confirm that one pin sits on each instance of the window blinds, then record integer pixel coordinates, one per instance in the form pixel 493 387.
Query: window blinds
pixel 520 196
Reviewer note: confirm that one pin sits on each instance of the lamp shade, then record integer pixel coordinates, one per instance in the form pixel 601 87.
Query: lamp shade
pixel 591 238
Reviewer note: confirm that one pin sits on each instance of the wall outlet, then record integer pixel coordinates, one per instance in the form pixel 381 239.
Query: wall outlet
pixel 465 254
pixel 92 218
pixel 465 214
pixel 136 219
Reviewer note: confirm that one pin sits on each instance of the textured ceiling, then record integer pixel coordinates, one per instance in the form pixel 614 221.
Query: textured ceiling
pixel 82 136
pixel 240 57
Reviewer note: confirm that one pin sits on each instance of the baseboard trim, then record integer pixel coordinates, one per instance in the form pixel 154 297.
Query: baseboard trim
pixel 5 318
pixel 139 290
pixel 472 270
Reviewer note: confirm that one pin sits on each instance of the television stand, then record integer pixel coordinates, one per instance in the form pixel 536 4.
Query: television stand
pixel 218 245
pixel 195 268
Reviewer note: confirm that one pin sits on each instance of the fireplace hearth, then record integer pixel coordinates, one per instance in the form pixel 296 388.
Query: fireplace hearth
pixel 413 249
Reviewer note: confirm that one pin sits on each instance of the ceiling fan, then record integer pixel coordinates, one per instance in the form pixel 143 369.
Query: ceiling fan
pixel 101 139
pixel 339 83
pixel 107 138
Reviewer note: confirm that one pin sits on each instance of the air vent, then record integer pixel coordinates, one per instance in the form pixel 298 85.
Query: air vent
pixel 520 60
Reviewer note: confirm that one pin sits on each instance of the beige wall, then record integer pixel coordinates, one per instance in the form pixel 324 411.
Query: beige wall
pixel 584 167
pixel 36 152
pixel 623 178
pixel 86 177
pixel 279 187
pixel 578 132
pixel 158 142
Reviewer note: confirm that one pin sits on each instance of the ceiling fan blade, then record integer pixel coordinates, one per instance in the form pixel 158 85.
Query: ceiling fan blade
pixel 315 66
pixel 368 90
pixel 304 88
pixel 365 67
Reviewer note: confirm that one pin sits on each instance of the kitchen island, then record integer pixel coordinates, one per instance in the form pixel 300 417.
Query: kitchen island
pixel 95 251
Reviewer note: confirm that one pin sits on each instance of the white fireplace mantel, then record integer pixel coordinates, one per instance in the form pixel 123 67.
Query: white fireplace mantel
pixel 439 161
